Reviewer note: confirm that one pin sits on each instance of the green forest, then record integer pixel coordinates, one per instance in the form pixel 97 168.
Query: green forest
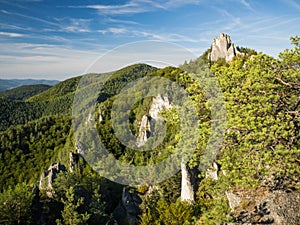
pixel 260 152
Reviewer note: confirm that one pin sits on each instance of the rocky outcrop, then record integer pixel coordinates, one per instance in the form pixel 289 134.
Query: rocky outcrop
pixel 233 199
pixel 128 210
pixel 267 207
pixel 213 172
pixel 144 131
pixel 48 176
pixel 189 183
pixel 187 190
pixel 80 148
pixel 159 104
pixel 147 124
pixel 73 160
pixel 223 48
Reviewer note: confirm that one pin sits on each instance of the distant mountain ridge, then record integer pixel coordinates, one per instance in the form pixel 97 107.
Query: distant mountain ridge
pixel 6 84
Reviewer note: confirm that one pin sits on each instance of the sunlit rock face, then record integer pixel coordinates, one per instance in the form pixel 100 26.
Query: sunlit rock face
pixel 146 128
pixel 223 48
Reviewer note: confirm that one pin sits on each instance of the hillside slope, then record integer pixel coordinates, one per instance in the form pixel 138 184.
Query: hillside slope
pixel 24 92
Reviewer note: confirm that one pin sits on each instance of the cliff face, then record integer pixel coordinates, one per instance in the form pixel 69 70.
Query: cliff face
pixel 223 48
pixel 146 128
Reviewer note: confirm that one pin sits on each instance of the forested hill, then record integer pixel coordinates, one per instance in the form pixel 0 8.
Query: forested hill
pixel 254 178
pixel 24 92
pixel 6 84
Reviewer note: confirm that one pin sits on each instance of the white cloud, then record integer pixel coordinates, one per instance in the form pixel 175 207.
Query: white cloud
pixel 44 61
pixel 9 34
pixel 138 6
pixel 113 30
pixel 78 25
pixel 122 21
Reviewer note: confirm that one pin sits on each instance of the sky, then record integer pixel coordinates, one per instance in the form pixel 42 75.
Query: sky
pixel 54 39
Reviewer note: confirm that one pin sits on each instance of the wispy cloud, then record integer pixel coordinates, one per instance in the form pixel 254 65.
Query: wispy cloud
pixel 34 60
pixel 113 30
pixel 28 17
pixel 12 27
pixel 10 34
pixel 111 20
pixel 292 3
pixel 138 6
pixel 246 4
pixel 74 25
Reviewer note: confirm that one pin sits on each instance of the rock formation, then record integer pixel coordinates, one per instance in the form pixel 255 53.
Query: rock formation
pixel 73 160
pixel 187 190
pixel 80 148
pixel 147 124
pixel 189 183
pixel 265 207
pixel 222 47
pixel 128 210
pixel 233 199
pixel 213 172
pixel 159 104
pixel 48 176
pixel 144 131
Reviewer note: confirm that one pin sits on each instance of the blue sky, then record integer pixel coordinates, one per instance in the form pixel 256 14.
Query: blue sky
pixel 59 39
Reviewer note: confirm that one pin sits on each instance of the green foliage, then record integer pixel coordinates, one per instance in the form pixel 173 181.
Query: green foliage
pixel 15 205
pixel 56 100
pixel 212 201
pixel 121 78
pixel 262 141
pixel 247 51
pixel 70 214
pixel 24 92
pixel 62 89
pixel 26 150
pixel 262 101
pixel 177 213
pixel 98 194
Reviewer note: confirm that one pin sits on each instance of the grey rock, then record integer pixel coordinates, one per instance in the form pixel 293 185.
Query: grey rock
pixel 150 121
pixel 213 172
pixel 159 104
pixel 277 208
pixel 144 131
pixel 233 199
pixel 73 160
pixel 48 176
pixel 80 148
pixel 189 183
pixel 222 47
pixel 187 190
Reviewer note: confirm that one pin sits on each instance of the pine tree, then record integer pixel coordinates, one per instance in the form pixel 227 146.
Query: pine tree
pixel 70 214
